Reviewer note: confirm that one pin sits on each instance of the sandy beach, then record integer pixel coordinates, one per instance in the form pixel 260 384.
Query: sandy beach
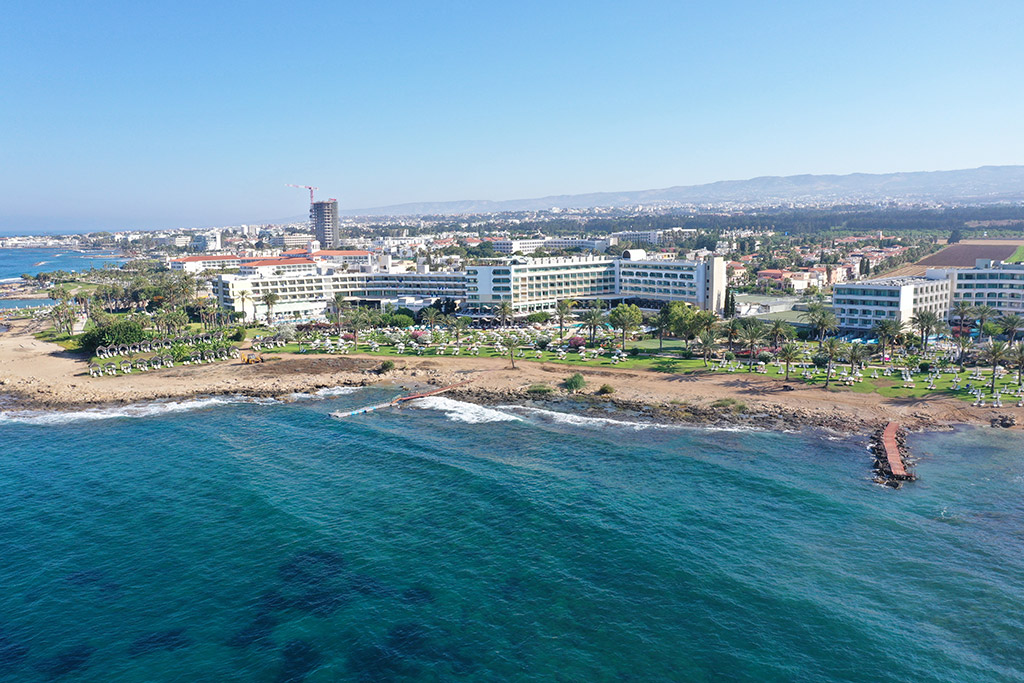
pixel 42 375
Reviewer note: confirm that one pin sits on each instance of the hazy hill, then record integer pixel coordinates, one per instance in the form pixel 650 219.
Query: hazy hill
pixel 987 184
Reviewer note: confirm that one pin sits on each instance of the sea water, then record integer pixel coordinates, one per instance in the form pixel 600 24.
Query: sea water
pixel 229 539
pixel 15 262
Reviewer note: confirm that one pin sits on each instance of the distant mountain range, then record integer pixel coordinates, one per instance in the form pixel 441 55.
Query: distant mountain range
pixel 985 185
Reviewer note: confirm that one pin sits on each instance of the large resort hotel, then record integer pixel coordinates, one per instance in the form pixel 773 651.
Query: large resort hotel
pixel 306 287
pixel 860 305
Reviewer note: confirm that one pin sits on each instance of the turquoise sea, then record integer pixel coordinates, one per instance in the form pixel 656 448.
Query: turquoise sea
pixel 14 262
pixel 229 539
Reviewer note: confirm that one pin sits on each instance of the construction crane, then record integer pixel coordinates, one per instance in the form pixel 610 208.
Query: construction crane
pixel 304 187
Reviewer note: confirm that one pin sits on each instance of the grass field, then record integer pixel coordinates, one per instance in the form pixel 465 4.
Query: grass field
pixel 1017 256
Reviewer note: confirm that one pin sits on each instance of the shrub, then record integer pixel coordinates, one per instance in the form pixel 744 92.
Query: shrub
pixel 539 389
pixel 348 336
pixel 634 351
pixel 729 356
pixel 542 342
pixel 605 390
pixel 575 382
pixel 820 360
pixel 577 342
pixel 238 335
pixel 925 366
pixel 538 317
pixel 765 357
pixel 119 332
pixel 386 366
pixel 686 354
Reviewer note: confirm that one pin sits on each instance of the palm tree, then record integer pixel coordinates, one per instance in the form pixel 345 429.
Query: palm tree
pixel 731 330
pixel 856 354
pixel 888 331
pixel 1011 324
pixel 460 325
pixel 625 317
pixel 593 320
pixel 962 310
pixel 269 299
pixel 831 348
pixel 926 322
pixel 505 312
pixel 996 353
pixel 707 342
pixel 1018 359
pixel 983 312
pixel 779 330
pixel 963 345
pixel 751 335
pixel 563 309
pixel 245 296
pixel 430 316
pixel 357 319
pixel 789 353
pixel 821 319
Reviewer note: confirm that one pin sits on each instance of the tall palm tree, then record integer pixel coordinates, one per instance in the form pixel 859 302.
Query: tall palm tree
pixel 460 326
pixel 1011 324
pixel 245 296
pixel 962 310
pixel 1018 359
pixel 751 335
pixel 888 332
pixel 563 310
pixel 779 330
pixel 821 319
pixel 856 354
pixel 357 319
pixel 430 316
pixel 270 299
pixel 831 348
pixel 789 353
pixel 593 320
pixel 963 345
pixel 996 353
pixel 707 342
pixel 505 312
pixel 983 312
pixel 731 330
pixel 926 322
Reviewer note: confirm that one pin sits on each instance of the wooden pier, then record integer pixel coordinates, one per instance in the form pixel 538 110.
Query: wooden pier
pixel 889 447
pixel 892 451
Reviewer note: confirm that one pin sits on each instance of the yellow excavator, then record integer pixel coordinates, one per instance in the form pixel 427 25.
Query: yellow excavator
pixel 250 357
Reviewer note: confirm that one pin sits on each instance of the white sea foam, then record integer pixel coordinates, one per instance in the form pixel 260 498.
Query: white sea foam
pixel 458 411
pixel 135 410
pixel 326 392
pixel 588 421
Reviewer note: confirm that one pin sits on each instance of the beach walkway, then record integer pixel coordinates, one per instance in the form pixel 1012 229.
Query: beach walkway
pixel 892 452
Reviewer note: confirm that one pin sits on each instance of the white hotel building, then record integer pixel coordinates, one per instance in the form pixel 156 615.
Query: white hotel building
pixel 305 288
pixel 860 305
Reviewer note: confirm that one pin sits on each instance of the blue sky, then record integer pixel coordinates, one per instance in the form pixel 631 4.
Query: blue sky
pixel 145 115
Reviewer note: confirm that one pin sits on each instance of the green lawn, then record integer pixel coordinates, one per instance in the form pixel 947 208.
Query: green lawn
pixel 1017 256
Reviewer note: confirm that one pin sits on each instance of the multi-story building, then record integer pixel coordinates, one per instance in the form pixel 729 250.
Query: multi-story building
pixel 990 283
pixel 306 286
pixel 324 217
pixel 859 306
pixel 290 240
pixel 537 284
pixel 701 283
pixel 197 264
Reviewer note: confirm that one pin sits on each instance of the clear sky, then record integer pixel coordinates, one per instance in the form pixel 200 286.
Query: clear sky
pixel 145 115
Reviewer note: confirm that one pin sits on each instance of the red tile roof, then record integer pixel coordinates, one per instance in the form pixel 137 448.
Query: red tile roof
pixel 194 259
pixel 281 262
